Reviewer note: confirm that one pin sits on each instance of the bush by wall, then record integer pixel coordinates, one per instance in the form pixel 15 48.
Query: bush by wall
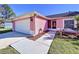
pixel 5 31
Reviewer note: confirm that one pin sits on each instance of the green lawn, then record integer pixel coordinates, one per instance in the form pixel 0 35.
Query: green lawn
pixel 64 46
pixel 8 50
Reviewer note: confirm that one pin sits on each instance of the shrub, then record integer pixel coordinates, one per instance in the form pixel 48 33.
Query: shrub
pixel 5 31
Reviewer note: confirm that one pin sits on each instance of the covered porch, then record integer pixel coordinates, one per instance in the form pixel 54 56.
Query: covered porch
pixel 55 23
pixel 51 24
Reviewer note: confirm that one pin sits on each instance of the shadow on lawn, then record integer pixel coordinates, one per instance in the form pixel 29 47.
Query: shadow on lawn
pixel 76 43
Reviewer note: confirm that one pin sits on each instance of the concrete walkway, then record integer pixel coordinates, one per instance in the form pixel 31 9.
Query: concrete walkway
pixel 40 46
pixel 47 38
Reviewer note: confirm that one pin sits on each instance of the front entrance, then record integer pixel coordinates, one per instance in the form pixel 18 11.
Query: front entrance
pixel 51 24
pixel 54 24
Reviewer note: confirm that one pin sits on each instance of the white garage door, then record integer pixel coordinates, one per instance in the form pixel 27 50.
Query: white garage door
pixel 23 26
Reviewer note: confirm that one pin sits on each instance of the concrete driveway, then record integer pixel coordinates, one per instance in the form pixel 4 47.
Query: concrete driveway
pixel 12 35
pixel 10 38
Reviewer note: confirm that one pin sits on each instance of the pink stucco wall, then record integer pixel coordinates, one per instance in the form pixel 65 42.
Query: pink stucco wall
pixel 32 23
pixel 40 25
pixel 59 23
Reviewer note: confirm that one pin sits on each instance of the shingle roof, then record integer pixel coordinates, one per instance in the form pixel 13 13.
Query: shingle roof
pixel 66 14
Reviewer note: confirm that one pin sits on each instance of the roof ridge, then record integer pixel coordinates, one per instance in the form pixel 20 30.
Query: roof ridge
pixel 30 14
pixel 70 13
pixel 65 12
pixel 27 13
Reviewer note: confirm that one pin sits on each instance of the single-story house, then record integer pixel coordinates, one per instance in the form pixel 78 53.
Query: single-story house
pixel 34 23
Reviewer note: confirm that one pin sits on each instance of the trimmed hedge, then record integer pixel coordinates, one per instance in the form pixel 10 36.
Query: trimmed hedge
pixel 1 27
pixel 5 31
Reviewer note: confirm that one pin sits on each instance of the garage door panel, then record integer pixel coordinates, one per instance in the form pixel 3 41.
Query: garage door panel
pixel 23 26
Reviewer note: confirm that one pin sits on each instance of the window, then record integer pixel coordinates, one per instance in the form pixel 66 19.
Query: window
pixel 69 23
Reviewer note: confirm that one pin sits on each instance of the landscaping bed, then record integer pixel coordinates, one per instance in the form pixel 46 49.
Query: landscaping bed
pixel 37 36
pixel 8 50
pixel 64 46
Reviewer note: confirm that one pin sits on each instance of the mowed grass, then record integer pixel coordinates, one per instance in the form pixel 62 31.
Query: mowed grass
pixel 64 46
pixel 8 50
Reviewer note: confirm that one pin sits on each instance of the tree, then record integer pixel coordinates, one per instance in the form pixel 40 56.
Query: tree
pixel 1 17
pixel 77 19
pixel 6 13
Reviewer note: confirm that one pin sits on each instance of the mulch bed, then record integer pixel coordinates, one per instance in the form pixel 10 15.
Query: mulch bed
pixel 37 36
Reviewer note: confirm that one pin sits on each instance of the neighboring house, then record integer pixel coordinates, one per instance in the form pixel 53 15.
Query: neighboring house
pixel 5 24
pixel 1 23
pixel 8 24
pixel 35 23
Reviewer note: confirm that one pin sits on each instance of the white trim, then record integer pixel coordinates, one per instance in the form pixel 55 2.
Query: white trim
pixel 75 24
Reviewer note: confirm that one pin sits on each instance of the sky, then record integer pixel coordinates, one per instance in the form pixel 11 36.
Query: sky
pixel 44 9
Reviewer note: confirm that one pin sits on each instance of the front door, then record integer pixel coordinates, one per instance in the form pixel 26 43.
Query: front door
pixel 49 23
pixel 54 24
